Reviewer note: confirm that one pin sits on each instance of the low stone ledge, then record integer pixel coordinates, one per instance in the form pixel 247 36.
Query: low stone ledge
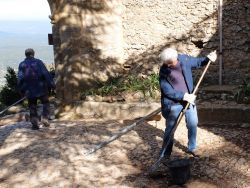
pixel 224 113
pixel 207 112
pixel 111 111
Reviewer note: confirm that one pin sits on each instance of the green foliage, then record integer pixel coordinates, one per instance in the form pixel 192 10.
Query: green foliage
pixel 243 94
pixel 1 107
pixel 9 93
pixel 52 72
pixel 148 86
pixel 51 69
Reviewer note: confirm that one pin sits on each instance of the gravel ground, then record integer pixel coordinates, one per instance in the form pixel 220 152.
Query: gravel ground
pixel 54 157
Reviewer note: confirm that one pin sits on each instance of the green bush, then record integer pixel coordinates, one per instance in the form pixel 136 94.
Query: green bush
pixel 9 93
pixel 1 107
pixel 243 94
pixel 148 86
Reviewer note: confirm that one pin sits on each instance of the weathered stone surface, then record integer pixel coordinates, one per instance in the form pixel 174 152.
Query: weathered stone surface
pixel 93 38
pixel 109 110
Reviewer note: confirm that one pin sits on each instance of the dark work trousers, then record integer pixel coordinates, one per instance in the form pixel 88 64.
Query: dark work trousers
pixel 32 102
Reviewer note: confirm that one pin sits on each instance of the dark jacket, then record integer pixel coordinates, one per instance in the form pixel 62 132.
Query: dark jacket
pixel 169 95
pixel 38 86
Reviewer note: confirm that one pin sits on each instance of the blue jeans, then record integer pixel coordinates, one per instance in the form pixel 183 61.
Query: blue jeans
pixel 191 123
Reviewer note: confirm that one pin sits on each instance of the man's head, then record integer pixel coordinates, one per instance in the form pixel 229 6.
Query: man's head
pixel 169 57
pixel 29 52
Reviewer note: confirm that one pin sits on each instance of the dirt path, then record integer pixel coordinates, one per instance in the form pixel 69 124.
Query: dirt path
pixel 53 157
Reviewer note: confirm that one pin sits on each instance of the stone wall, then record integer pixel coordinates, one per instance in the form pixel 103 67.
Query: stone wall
pixel 161 23
pixel 236 33
pixel 151 25
pixel 94 38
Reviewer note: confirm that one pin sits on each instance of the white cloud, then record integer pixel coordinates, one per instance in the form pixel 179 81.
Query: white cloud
pixel 24 10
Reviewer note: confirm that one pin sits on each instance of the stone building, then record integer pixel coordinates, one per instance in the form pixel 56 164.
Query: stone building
pixel 94 39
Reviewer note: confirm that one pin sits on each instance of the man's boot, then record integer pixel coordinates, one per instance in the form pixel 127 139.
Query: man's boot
pixel 196 153
pixel 45 122
pixel 34 122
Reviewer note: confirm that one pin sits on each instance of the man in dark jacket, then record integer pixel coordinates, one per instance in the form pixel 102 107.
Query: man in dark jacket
pixel 176 83
pixel 34 81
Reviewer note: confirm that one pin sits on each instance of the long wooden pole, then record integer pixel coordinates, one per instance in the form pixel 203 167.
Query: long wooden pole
pixel 12 105
pixel 123 131
pixel 220 4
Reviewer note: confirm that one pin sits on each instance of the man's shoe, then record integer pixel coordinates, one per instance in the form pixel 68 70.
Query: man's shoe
pixel 34 127
pixel 45 122
pixel 195 153
pixel 34 122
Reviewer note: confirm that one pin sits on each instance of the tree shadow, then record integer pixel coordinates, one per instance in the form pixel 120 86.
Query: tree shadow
pixel 56 155
pixel 7 129
pixel 237 135
pixel 53 155
pixel 78 54
pixel 228 162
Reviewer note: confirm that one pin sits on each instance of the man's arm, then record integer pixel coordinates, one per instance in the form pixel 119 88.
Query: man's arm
pixel 20 77
pixel 47 75
pixel 194 62
pixel 197 62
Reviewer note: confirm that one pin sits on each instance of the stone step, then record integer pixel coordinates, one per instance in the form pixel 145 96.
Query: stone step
pixel 217 112
pixel 105 110
pixel 223 112
pixel 217 92
pixel 219 89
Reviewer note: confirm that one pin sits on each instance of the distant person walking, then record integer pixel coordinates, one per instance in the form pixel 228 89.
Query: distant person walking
pixel 35 82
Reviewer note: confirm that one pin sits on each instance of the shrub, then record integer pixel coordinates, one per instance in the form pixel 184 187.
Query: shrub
pixel 9 93
pixel 147 85
pixel 243 94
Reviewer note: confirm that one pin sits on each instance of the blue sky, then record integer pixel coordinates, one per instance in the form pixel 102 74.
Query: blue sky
pixel 24 10
pixel 23 24
pixel 24 17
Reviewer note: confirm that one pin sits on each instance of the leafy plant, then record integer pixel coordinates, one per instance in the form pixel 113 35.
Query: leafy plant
pixel 1 107
pixel 147 85
pixel 9 93
pixel 243 94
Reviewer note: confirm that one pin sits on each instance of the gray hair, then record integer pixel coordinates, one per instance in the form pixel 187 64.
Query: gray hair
pixel 29 52
pixel 168 54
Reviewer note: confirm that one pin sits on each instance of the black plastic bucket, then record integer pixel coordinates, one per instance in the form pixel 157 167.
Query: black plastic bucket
pixel 180 170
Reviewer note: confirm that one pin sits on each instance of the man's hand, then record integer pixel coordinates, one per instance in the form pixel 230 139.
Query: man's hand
pixel 189 98
pixel 212 56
